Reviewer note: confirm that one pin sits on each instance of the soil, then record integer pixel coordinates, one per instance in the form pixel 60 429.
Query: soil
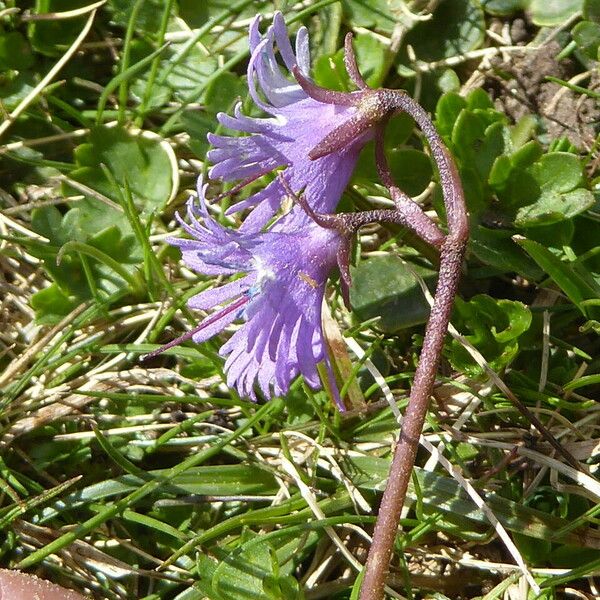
pixel 519 87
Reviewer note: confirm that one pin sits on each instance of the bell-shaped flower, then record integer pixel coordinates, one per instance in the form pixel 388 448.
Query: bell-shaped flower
pixel 277 282
pixel 298 123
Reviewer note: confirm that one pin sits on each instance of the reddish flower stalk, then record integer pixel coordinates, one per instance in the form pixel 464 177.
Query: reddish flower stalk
pixel 374 108
pixel 451 256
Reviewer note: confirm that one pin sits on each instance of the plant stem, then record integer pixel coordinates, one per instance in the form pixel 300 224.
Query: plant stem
pixel 406 450
pixel 452 253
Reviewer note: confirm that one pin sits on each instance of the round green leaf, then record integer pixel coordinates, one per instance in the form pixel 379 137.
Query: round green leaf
pixel 383 286
pixel 558 171
pixel 587 37
pixel 548 13
pixel 457 26
pixel 504 8
pixel 139 159
pixel 493 327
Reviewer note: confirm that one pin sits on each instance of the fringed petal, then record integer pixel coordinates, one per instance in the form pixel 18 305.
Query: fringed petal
pixel 215 296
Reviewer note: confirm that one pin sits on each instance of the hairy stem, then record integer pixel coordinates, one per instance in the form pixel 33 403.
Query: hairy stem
pixel 452 253
pixel 410 214
pixel 406 449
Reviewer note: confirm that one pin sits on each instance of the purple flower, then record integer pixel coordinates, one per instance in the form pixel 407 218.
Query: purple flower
pixel 279 295
pixel 278 276
pixel 297 125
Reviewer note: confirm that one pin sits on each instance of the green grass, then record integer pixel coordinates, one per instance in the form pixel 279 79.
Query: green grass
pixel 126 479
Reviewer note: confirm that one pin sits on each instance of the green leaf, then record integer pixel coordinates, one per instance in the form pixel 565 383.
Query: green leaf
pixel 527 154
pixel 585 241
pixel 479 99
pixel 53 36
pixel 587 37
pixel 523 130
pixel 260 569
pixel 558 175
pixel 457 27
pixel 536 189
pixel 51 304
pixel 15 52
pixel 591 325
pixel 444 494
pixel 591 10
pixel 553 207
pixel 370 55
pixel 547 13
pixel 503 8
pixel 448 108
pixel 371 14
pixel 140 158
pixel 576 283
pixel 221 95
pixel 557 235
pixel 181 69
pixel 91 223
pixel 478 143
pixel 211 480
pixel 448 81
pixel 411 169
pixel 383 286
pixel 16 86
pixel 558 171
pixel 329 72
pixel 493 327
pixel 496 248
pixel 148 18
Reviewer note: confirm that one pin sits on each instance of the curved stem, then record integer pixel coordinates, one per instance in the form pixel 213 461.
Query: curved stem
pixel 456 212
pixel 452 253
pixel 407 209
pixel 351 64
pixel 412 425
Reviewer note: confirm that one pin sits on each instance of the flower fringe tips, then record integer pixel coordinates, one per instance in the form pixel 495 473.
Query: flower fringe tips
pixel 278 264
pixel 297 124
pixel 279 297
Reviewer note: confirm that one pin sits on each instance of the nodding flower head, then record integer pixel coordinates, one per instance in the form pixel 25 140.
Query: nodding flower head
pixel 277 284
pixel 302 116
